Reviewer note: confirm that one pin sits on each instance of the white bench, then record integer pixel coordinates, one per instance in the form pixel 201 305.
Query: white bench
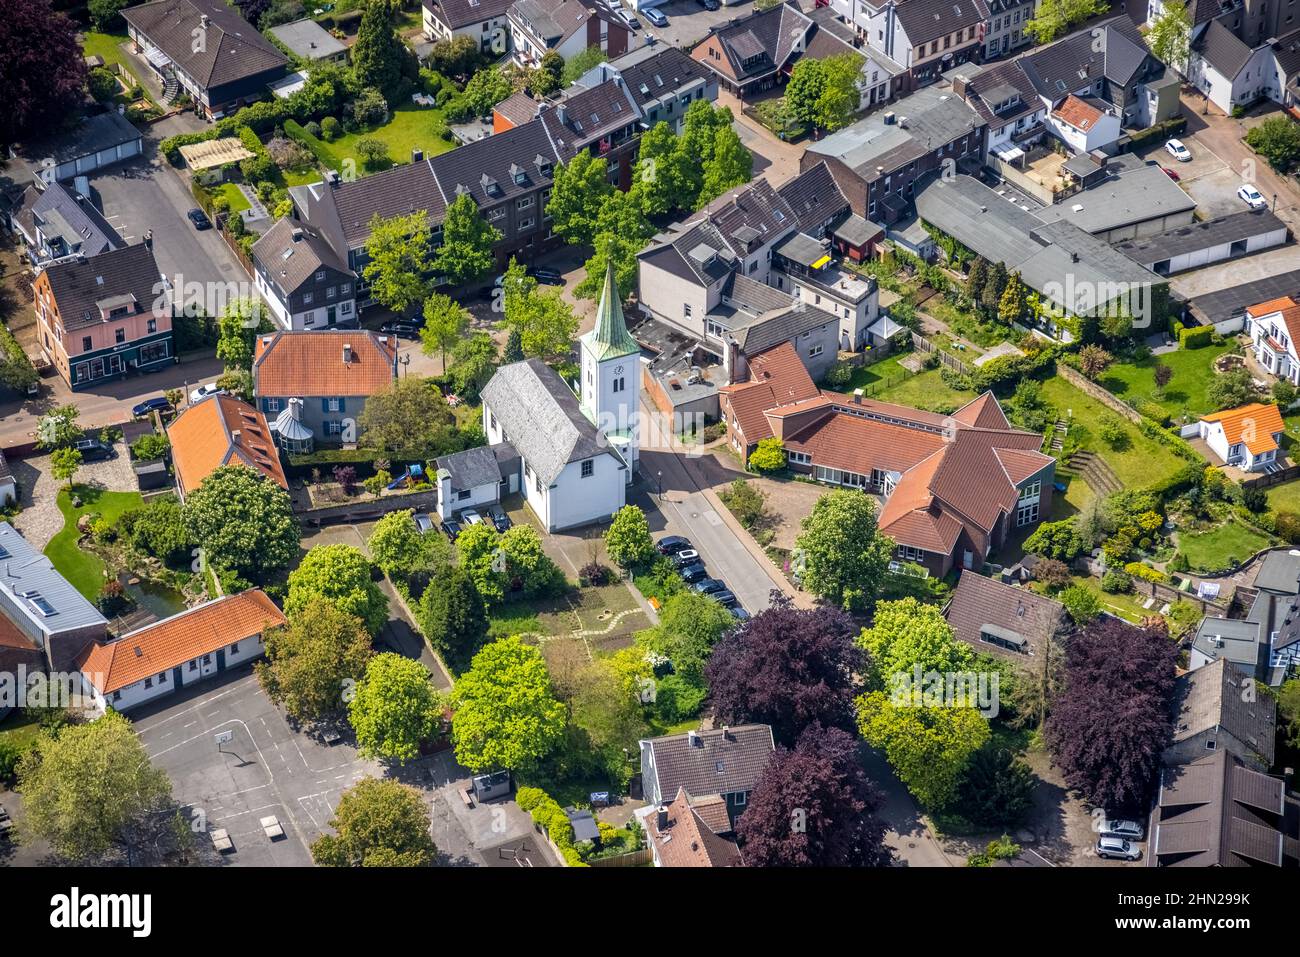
pixel 221 841
pixel 271 826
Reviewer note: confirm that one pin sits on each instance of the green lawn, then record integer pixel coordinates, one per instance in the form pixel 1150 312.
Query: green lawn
pixel 1284 497
pixel 1140 462
pixel 108 46
pixel 1193 371
pixel 237 200
pixel 1127 606
pixel 1224 545
pixel 301 177
pixel 21 729
pixel 82 568
pixel 410 127
pixel 864 377
pixel 926 390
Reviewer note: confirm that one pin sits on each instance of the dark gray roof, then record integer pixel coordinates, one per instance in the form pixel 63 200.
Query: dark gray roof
pixel 493 157
pixel 583 116
pixel 541 418
pixel 750 213
pixel 464 13
pixel 1132 193
pixel 1112 50
pixel 926 20
pixel 78 286
pixel 551 21
pixel 291 253
pixel 5 474
pixel 981 605
pixel 59 213
pixel 102 131
pixel 814 197
pixel 472 468
pixel 27 577
pixel 767 38
pixel 1235 639
pixel 1211 697
pixel 856 231
pixel 233 50
pixel 1221 48
pixel 800 248
pixel 660 75
pixel 1235 300
pixel 711 762
pixel 308 39
pixel 1280 572
pixel 1201 235
pixel 1287 52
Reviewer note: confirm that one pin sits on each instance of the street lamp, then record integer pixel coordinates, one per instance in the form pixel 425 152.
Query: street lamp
pixel 406 364
pixel 659 483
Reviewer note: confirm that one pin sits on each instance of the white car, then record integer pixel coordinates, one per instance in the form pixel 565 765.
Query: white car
pixel 1178 151
pixel 470 517
pixel 1119 848
pixel 203 391
pixel 1252 197
pixel 1122 828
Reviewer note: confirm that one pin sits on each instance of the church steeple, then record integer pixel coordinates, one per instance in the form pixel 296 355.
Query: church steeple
pixel 610 338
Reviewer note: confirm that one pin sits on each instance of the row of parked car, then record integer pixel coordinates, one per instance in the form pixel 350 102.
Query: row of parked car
pixel 1118 839
pixel 496 516
pixel 690 566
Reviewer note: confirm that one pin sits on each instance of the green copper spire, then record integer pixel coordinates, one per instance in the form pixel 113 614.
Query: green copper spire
pixel 610 338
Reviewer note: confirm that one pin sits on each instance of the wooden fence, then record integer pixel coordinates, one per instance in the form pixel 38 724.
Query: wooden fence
pixel 923 344
pixel 631 859
pixel 1269 479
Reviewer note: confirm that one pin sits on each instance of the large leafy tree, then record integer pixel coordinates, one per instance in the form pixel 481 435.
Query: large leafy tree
pixel 1277 139
pixel 841 552
pixel 397 254
pixel 996 790
pixel 905 634
pixel 395 707
pixel 379 57
pixel 664 180
pixel 786 667
pixel 628 538
pixel 238 326
pixel 409 419
pixel 453 617
pixel 813 806
pixel 581 188
pixel 58 428
pixel 400 549
pixel 473 360
pixel 313 662
pixel 606 716
pixel 243 521
pixel 1054 18
pixel 505 712
pixel 730 165
pixel 621 232
pixel 1108 727
pixel 825 92
pixel 103 13
pixel 1169 36
pixel 340 575
pixel 467 241
pixel 41 69
pixel 689 626
pixel 379 823
pixel 445 322
pixel 91 792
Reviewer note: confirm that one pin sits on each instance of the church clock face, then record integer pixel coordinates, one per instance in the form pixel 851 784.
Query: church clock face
pixel 618 370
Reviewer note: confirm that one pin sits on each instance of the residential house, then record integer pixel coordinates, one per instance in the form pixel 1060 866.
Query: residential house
pixel 102 318
pixel 1005 620
pixel 682 833
pixel 179 651
pixel 566 26
pixel 312 386
pixel 221 430
pixel 40 609
pixel 726 762
pixel 757 52
pixel 89 145
pixel 1266 643
pixel 56 224
pixel 1004 26
pixel 925 37
pixel 576 453
pixel 305 283
pixel 1247 438
pixel 1218 811
pixel 1217 707
pixel 879 79
pixel 476 477
pixel 1273 327
pixel 484 21
pixel 310 42
pixel 664 82
pixel 206 49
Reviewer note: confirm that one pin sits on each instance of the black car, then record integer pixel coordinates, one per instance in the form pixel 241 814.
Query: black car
pixel 93 450
pixel 547 277
pixel 158 403
pixel 499 518
pixel 672 544
pixel 738 613
pixel 709 4
pixel 199 218
pixel 726 598
pixel 692 573
pixel 687 556
pixel 403 330
pixel 707 586
pixel 451 530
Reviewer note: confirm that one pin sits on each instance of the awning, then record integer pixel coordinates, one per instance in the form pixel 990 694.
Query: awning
pixel 821 262
pixel 157 58
pixel 1009 154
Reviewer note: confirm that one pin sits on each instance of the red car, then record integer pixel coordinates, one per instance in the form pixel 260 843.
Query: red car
pixel 1170 173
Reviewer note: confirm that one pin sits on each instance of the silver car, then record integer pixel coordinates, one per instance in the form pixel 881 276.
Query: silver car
pixel 1124 828
pixel 1118 848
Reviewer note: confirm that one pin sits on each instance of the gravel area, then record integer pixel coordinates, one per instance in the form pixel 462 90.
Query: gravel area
pixel 40 520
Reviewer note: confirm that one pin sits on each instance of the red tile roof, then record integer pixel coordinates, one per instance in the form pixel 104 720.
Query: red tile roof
pixel 311 363
pixel 686 840
pixel 982 413
pixel 1255 425
pixel 776 377
pixel 222 430
pixel 1080 115
pixel 155 648
pixel 1290 315
pixel 843 441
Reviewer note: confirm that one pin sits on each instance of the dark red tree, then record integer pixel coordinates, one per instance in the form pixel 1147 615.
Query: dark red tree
pixel 788 668
pixel 1107 729
pixel 814 807
pixel 42 72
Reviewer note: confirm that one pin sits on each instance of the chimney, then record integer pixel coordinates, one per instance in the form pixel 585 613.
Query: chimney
pixel 693 739
pixel 726 732
pixel 959 84
pixel 417 154
pixel 203 21
pixel 234 434
pixel 347 352
pixel 1074 257
pixel 857 396
pixel 661 817
pixel 295 409
pixel 297 235
pixel 332 177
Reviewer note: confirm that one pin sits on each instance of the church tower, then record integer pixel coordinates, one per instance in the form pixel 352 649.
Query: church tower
pixel 611 374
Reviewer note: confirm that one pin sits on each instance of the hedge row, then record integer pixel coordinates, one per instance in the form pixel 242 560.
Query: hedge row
pixel 549 815
pixel 1195 337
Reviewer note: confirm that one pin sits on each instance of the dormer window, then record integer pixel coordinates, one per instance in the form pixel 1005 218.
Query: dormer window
pixel 517 174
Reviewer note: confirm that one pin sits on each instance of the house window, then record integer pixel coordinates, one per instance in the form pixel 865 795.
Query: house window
pixel 463 494
pixel 799 458
pixel 272 405
pixel 909 554
pixel 345 288
pixel 815 351
pixel 234 648
pixel 117 696
pixel 526 223
pixel 194 666
pixel 1027 514
pixel 620 384
pixel 334 427
pixel 148 682
pixel 537 482
pixel 152 326
pixel 588 468
pixel 119 335
pixel 306 298
pixel 1031 491
pixel 525 203
pixel 332 405
pixel 686 310
pixel 86 344
pixel 331 292
pixel 492 421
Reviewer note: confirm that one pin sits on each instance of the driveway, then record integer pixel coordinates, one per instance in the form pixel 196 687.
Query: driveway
pixel 688 21
pixel 40 520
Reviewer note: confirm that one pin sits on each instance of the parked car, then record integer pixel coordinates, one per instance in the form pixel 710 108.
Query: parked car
pixel 1118 848
pixel 199 218
pixel 423 522
pixel 203 391
pixel 1252 197
pixel 692 573
pixel 709 4
pixel 158 403
pixel 1178 151
pixel 451 530
pixel 93 450
pixel 707 586
pixel 402 330
pixel 547 277
pixel 687 556
pixel 628 18
pixel 1122 828
pixel 672 544
pixel 1171 174
pixel 725 597
pixel 500 520
pixel 655 17
pixel 739 613
pixel 470 517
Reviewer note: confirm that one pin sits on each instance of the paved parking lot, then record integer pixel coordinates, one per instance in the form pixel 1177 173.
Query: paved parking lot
pixel 688 22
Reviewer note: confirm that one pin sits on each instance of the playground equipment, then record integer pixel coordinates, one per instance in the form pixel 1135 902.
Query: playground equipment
pixel 413 476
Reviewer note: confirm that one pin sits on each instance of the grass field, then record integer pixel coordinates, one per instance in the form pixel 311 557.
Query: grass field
pixel 108 46
pixel 866 376
pixel 410 127
pixel 1284 497
pixel 20 729
pixel 237 200
pixel 1193 371
pixel 608 614
pixel 1222 546
pixel 926 390
pixel 81 568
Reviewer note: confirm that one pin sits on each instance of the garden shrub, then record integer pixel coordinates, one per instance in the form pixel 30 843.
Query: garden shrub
pixel 1196 337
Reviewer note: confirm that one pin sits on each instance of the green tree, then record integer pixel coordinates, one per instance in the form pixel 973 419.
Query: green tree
pixel 1288 710
pixel 730 165
pixel 243 521
pixel 453 616
pixel 104 13
pixel 1233 388
pixel 445 323
pixel 580 189
pixel 1169 36
pixel 64 464
pixel 840 553
pixel 1054 18
pixel 467 241
pixel 689 626
pixel 549 76
pixel 1013 303
pixel 473 360
pixel 976 278
pixel 580 63
pixel 338 574
pixel 237 329
pixel 840 96
pixel 485 89
pixel 664 181
pixel 608 717
pixel 400 549
pixel 768 456
pixel 379 57
pixel 907 633
pixel 628 538
pixel 621 232
pixel 58 428
pixel 505 712
pixel 373 152
pixel 395 708
pixel 514 351
pixel 90 789
pixel 1081 603
pixel 805 87
pixel 397 252
pixel 379 823
pixel 313 662
pixel 994 285
pixel 478 548
pixel 546 323
pixel 1277 139
pixel 409 419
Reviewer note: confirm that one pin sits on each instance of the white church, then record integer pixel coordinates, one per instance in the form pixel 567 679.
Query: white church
pixel 572 456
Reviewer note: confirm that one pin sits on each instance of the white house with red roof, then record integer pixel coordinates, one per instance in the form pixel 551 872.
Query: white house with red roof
pixel 1247 438
pixel 1273 327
